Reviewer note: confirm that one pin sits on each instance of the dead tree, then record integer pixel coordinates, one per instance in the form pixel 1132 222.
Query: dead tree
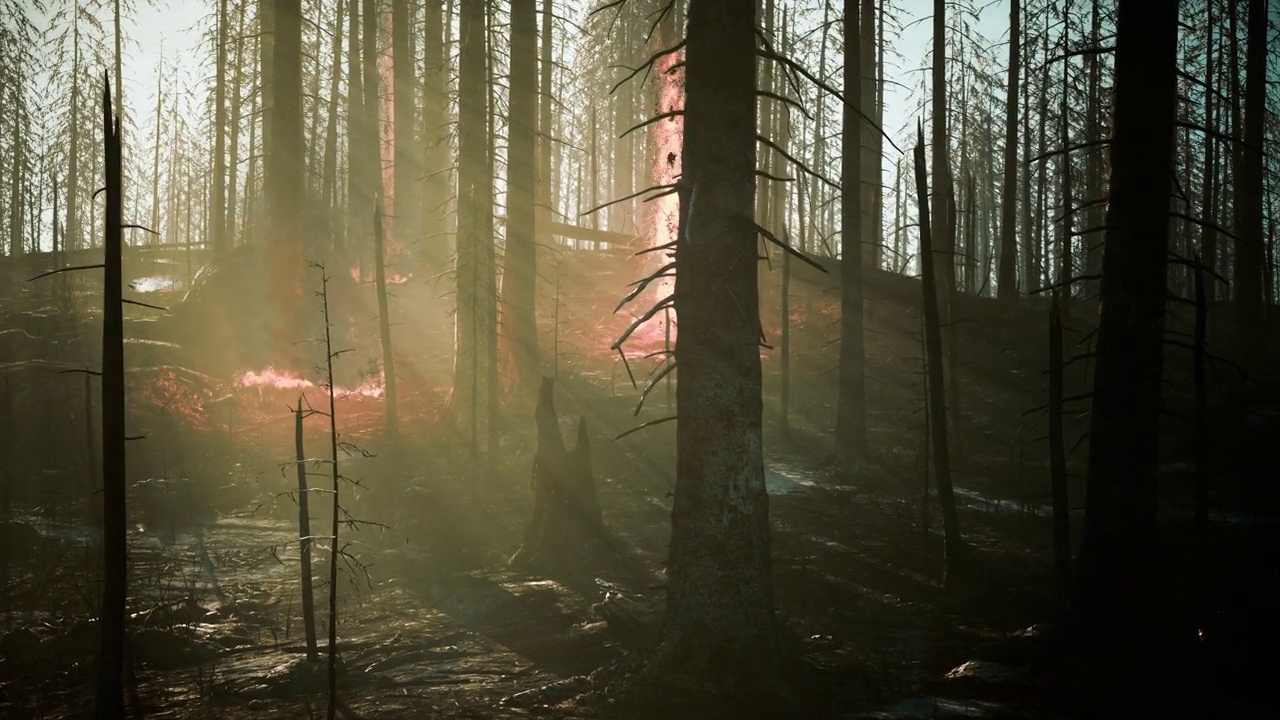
pixel 933 351
pixel 304 537
pixel 110 698
pixel 384 321
pixel 1058 458
pixel 1113 591
pixel 567 529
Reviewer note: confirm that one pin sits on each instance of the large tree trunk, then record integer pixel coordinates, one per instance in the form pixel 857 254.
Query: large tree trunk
pixel 1116 553
pixel 1007 282
pixel 110 692
pixel 719 623
pixel 285 173
pixel 851 404
pixel 472 125
pixel 519 306
pixel 566 530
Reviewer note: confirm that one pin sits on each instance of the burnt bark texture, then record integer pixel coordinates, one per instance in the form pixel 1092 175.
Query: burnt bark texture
pixel 472 123
pixel 404 224
pixel 719 641
pixel 851 404
pixel 933 359
pixel 518 287
pixel 1113 572
pixel 1007 280
pixel 436 243
pixel 304 538
pixel 110 690
pixel 219 219
pixel 285 173
pixel 567 530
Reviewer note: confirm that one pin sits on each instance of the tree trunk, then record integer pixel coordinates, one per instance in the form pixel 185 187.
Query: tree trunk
pixel 436 243
pixel 304 539
pixel 357 191
pixel 15 187
pixel 1065 269
pixel 110 691
pixel 72 239
pixel 1092 238
pixel 1250 256
pixel 219 200
pixel 1058 459
pixel 235 118
pixel 1116 552
pixel 933 352
pixel 472 124
pixel 851 405
pixel 1199 363
pixel 1007 283
pixel 404 226
pixel 384 324
pixel 329 173
pixel 1209 193
pixel 285 172
pixel 720 619
pixel 519 298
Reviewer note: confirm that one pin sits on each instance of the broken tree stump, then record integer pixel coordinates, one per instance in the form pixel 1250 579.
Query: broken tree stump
pixel 566 530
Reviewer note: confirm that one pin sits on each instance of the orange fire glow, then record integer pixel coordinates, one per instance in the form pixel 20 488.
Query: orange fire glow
pixel 269 378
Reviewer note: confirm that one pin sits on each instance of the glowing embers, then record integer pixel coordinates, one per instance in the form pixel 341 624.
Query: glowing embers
pixel 269 378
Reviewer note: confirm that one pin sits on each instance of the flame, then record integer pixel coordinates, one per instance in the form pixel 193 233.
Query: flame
pixel 391 278
pixel 269 378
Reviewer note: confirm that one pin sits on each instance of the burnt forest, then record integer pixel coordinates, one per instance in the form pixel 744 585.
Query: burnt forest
pixel 639 359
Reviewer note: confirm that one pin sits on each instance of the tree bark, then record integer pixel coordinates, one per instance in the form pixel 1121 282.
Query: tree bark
pixel 472 125
pixel 304 540
pixel 436 243
pixel 404 225
pixel 1116 552
pixel 937 391
pixel 1058 459
pixel 519 298
pixel 719 622
pixel 851 404
pixel 329 173
pixel 384 324
pixel 219 200
pixel 110 691
pixel 1007 283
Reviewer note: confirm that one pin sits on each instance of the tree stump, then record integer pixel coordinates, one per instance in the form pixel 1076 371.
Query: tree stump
pixel 566 530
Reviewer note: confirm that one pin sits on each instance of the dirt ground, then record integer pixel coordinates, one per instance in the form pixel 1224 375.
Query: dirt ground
pixel 432 624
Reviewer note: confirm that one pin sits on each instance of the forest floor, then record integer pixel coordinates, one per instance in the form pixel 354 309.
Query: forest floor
pixel 435 625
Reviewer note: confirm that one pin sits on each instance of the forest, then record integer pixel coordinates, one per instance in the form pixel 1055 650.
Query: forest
pixel 639 358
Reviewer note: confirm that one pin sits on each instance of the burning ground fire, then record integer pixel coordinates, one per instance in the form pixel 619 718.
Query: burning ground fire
pixel 270 378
